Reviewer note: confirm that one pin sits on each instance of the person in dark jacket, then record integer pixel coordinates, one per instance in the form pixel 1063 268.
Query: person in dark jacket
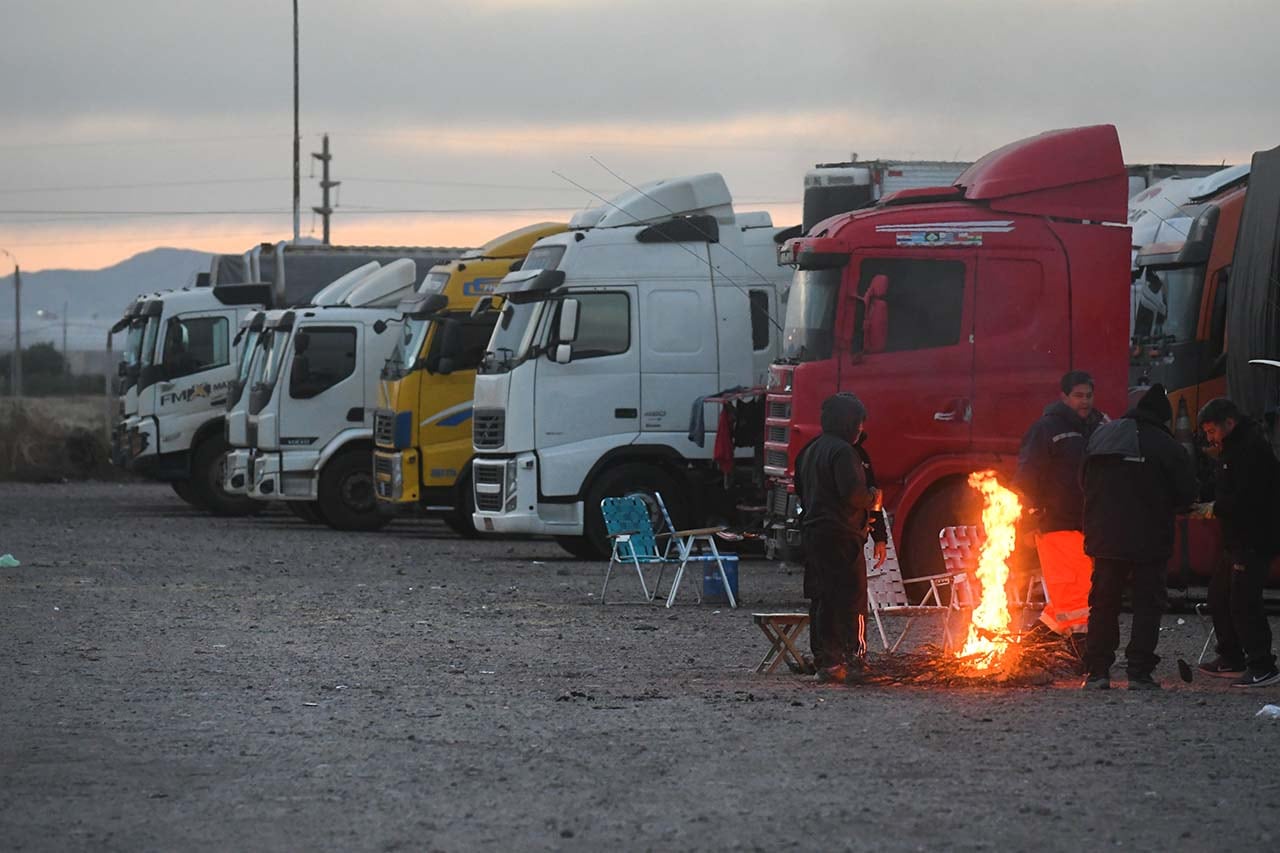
pixel 1136 478
pixel 836 503
pixel 1048 478
pixel 1247 501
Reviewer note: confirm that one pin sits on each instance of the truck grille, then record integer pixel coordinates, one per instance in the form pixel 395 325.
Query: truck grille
pixel 776 433
pixel 487 475
pixel 780 409
pixel 489 503
pixel 775 458
pixel 382 465
pixel 489 480
pixel 778 502
pixel 489 429
pixel 384 428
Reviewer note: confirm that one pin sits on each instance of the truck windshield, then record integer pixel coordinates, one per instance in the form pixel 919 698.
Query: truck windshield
pixel 149 335
pixel 133 343
pixel 408 354
pixel 266 369
pixel 1166 305
pixel 811 315
pixel 514 336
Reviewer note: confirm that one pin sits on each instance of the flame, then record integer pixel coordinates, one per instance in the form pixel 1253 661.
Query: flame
pixel 989 625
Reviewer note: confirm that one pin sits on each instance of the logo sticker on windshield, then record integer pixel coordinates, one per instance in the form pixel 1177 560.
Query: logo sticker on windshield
pixel 939 238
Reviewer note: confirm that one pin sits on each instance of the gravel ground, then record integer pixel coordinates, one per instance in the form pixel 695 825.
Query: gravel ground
pixel 172 681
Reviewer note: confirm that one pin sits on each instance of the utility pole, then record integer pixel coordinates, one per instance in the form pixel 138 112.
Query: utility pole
pixel 297 141
pixel 66 361
pixel 324 209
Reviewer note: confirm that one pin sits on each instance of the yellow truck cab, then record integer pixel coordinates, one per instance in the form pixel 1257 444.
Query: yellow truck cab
pixel 422 428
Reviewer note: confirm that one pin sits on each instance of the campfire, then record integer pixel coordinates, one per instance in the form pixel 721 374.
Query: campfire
pixel 995 651
pixel 990 631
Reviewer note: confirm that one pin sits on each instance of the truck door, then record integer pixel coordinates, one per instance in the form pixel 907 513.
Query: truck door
pixel 323 393
pixel 585 408
pixel 1021 346
pixel 909 320
pixel 196 363
pixel 678 358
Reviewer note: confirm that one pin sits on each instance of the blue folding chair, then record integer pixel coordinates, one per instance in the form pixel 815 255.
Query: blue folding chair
pixel 630 530
pixel 684 541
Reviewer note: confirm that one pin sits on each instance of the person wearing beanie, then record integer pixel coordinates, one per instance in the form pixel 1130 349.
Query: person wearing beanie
pixel 837 506
pixel 1136 478
pixel 1247 501
pixel 1048 480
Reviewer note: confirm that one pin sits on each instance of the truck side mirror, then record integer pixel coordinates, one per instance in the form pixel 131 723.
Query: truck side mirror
pixel 563 354
pixel 875 322
pixel 567 332
pixel 450 346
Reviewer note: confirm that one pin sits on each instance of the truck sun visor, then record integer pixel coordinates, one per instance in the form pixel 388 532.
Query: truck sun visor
pixel 421 305
pixel 682 229
pixel 530 285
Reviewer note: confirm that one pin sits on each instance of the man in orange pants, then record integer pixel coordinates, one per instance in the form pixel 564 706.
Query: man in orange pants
pixel 1048 478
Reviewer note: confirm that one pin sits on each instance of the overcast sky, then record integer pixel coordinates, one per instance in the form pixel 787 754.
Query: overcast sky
pixel 129 124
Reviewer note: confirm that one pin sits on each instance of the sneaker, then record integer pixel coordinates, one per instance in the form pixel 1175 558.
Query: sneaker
pixel 1143 682
pixel 1097 682
pixel 1258 679
pixel 1221 667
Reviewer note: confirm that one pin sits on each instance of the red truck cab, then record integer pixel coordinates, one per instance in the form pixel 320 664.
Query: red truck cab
pixel 953 313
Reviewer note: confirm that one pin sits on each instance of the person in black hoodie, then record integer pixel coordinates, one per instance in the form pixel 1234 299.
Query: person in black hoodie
pixel 1136 478
pixel 836 504
pixel 1247 501
pixel 1048 479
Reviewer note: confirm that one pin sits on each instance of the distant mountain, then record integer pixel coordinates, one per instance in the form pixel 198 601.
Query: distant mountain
pixel 94 298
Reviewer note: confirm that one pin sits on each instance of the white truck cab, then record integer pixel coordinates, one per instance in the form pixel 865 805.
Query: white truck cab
pixel 609 336
pixel 310 415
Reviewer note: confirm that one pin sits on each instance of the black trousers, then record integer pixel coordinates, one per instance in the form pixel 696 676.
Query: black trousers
pixel 1147 589
pixel 1239 620
pixel 835 581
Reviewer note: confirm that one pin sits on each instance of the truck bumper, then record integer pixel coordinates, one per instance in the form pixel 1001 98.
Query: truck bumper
pixel 395 477
pixel 285 476
pixel 506 495
pixel 239 471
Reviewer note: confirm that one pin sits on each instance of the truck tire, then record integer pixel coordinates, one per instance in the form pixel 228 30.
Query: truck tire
pixel 308 511
pixel 460 520
pixel 207 465
pixel 347 497
pixel 948 504
pixel 633 478
pixel 185 490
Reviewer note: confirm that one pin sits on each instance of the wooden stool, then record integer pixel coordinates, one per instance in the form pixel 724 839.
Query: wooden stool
pixel 782 631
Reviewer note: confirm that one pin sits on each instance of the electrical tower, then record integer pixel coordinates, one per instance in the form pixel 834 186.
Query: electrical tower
pixel 325 184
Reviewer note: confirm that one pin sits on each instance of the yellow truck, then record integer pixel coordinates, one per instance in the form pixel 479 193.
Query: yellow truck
pixel 422 428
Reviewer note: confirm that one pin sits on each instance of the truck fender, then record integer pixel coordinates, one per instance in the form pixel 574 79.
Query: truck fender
pixel 217 426
pixel 662 456
pixel 345 439
pixel 925 477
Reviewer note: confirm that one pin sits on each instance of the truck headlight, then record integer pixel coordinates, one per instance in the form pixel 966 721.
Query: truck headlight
pixel 512 496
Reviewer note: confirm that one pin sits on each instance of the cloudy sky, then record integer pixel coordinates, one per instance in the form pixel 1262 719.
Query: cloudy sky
pixel 130 124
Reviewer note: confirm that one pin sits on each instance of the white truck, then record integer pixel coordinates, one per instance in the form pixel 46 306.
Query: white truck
pixel 177 431
pixel 608 335
pixel 310 413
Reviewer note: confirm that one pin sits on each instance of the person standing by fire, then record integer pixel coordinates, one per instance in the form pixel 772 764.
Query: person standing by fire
pixel 1136 479
pixel 1247 501
pixel 837 504
pixel 1048 479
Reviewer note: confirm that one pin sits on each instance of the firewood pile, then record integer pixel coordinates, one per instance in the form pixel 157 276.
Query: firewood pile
pixel 1029 661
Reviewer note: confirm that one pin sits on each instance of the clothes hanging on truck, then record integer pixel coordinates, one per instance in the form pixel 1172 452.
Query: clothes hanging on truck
pixel 740 423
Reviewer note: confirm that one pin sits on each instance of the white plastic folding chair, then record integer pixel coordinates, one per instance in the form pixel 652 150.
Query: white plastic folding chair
pixel 890 594
pixel 685 541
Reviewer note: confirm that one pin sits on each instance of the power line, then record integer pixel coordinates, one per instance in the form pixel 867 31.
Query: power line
pixel 152 185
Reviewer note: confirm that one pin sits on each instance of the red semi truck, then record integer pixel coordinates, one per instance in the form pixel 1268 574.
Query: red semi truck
pixel 953 312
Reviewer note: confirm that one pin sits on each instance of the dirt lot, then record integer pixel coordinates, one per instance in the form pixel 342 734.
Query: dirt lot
pixel 171 681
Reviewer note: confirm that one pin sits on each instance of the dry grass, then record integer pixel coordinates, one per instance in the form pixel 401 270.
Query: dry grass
pixel 51 439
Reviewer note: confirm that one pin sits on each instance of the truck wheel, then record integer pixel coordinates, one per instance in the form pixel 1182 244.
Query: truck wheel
pixel 208 464
pixel 186 490
pixel 308 511
pixel 631 479
pixel 950 504
pixel 460 520
pixel 347 497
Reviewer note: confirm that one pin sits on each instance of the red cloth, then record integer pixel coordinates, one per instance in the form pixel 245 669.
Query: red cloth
pixel 723 452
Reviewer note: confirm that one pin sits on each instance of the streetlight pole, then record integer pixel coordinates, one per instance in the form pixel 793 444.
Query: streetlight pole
pixel 15 365
pixel 297 142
